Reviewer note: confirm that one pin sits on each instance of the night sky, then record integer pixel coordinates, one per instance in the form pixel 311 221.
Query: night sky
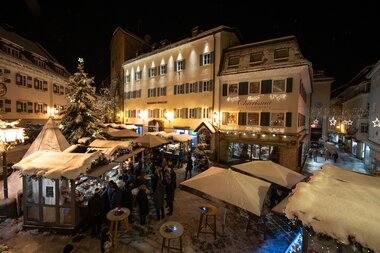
pixel 339 40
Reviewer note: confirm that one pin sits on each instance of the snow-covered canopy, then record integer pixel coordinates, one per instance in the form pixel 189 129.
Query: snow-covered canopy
pixel 125 133
pixel 114 125
pixel 271 172
pixel 173 136
pixel 49 139
pixel 340 204
pixel 231 187
pixel 55 165
pixel 109 147
pixel 150 141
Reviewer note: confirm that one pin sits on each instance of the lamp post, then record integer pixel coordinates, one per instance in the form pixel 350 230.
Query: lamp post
pixel 9 135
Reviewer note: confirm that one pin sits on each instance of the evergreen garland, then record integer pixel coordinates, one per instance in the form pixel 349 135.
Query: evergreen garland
pixel 80 116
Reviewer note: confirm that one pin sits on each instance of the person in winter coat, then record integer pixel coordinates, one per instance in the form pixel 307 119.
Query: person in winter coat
pixel 158 200
pixel 142 200
pixel 189 166
pixel 173 177
pixel 95 212
pixel 115 197
pixel 167 181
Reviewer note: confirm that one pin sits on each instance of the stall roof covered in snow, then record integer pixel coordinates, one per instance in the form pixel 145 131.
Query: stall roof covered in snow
pixel 49 139
pixel 339 204
pixel 55 165
pixel 109 147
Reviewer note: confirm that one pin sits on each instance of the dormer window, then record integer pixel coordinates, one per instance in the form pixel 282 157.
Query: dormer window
pixel 39 63
pixel 281 54
pixel 255 58
pixel 12 51
pixel 233 62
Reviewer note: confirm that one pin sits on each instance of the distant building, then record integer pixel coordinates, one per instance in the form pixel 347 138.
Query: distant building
pixel 32 82
pixel 124 46
pixel 374 117
pixel 351 108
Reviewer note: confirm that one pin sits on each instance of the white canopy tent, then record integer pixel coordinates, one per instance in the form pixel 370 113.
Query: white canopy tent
pixel 339 204
pixel 271 172
pixel 230 187
pixel 55 165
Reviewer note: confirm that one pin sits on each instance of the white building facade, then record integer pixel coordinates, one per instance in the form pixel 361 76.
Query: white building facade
pixel 32 83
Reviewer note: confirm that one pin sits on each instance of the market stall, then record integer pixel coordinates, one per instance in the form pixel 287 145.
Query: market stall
pixel 51 182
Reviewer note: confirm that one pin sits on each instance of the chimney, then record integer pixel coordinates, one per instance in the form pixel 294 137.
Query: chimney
pixel 195 31
pixel 164 42
pixel 147 38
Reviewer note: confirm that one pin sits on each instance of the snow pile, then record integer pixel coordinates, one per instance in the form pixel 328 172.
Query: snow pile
pixel 338 204
pixel 55 165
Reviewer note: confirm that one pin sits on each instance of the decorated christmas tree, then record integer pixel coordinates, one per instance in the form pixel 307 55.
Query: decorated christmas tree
pixel 80 116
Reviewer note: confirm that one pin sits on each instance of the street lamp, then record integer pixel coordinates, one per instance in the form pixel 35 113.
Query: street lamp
pixel 9 136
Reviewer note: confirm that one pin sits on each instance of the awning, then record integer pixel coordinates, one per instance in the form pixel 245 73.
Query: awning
pixel 101 170
pixel 126 156
pixel 280 207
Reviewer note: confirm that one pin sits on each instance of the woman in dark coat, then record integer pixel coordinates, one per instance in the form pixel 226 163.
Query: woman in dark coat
pixel 142 200
pixel 158 199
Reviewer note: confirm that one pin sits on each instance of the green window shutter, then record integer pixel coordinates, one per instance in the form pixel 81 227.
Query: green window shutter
pixel 288 122
pixel 289 84
pixel 195 90
pixel 264 119
pixel 175 66
pixel 201 60
pixel 224 92
pixel 266 86
pixel 242 118
pixel 200 86
pixel 175 89
pixel 210 85
pixel 212 56
pixel 149 72
pixel 243 88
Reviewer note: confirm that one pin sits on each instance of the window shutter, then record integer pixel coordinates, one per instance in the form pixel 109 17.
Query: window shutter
pixel 184 66
pixel 8 107
pixel 149 72
pixel 175 89
pixel 30 107
pixel 201 60
pixel 266 86
pixel 18 79
pixel 224 92
pixel 45 86
pixel 35 108
pixel 243 88
pixel 1 72
pixel 7 71
pixel 35 83
pixel 212 57
pixel 264 119
pixel 210 85
pixel 175 66
pixel 187 88
pixel 242 120
pixel 18 106
pixel 195 90
pixel 288 122
pixel 289 84
pixel 45 108
pixel 200 86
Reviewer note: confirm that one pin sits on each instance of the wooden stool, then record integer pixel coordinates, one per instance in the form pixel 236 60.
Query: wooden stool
pixel 171 230
pixel 206 212
pixel 114 216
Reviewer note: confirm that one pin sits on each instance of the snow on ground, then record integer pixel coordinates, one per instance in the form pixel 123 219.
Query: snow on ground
pixel 147 238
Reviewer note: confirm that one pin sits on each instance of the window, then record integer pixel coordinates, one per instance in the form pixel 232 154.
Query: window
pixel 229 118
pixel 12 51
pixel 21 106
pixel 38 107
pixel 21 80
pixel 233 89
pixel 138 75
pixel 56 88
pixel 233 62
pixel 38 84
pixel 163 69
pixel 254 87
pixel 39 63
pixel 278 86
pixel 59 71
pixel 127 78
pixel 57 109
pixel 256 58
pixel 301 120
pixel 253 119
pixel 364 127
pixel 152 72
pixel 206 113
pixel 302 91
pixel 277 119
pixel 195 113
pixel 206 59
pixel 179 65
pixel 281 53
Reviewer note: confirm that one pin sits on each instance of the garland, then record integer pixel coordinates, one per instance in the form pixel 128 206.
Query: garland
pixel 357 247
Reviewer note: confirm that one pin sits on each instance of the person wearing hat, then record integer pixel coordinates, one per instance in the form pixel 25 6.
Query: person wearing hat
pixel 94 206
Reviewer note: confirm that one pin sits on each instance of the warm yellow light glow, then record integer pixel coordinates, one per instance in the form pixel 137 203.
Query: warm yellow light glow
pixel 338 126
pixel 206 49
pixel 216 117
pixel 273 135
pixel 169 116
pixel 263 135
pixel 8 135
pixel 143 115
pixel 285 136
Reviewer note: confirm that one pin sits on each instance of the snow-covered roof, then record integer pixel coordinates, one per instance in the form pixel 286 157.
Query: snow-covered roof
pixel 55 165
pixel 339 204
pixel 49 139
pixel 206 124
pixel 271 172
pixel 109 147
pixel 231 187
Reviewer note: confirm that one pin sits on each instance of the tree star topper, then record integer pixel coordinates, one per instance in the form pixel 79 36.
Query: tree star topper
pixel 332 121
pixel 376 122
pixel 80 60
